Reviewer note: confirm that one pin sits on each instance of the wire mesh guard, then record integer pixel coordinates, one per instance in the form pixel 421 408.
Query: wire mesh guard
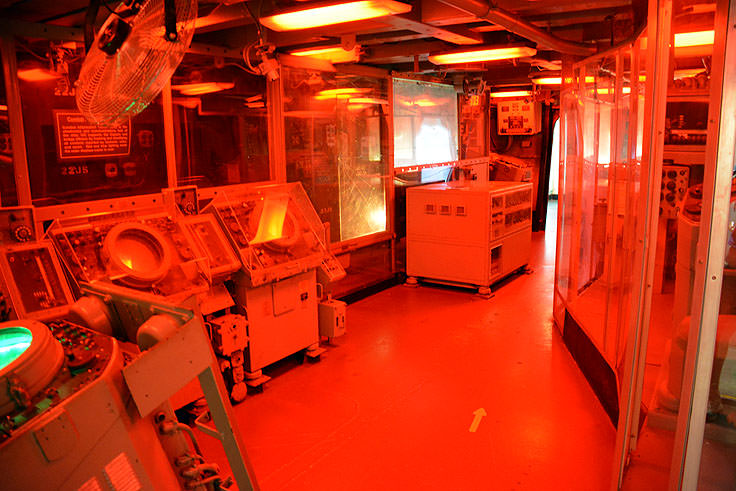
pixel 128 66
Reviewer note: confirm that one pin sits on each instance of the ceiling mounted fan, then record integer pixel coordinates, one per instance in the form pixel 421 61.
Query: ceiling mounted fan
pixel 133 56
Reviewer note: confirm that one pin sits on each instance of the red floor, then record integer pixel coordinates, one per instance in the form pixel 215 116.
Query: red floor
pixel 390 405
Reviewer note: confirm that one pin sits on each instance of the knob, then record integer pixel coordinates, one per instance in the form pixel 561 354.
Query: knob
pixel 189 208
pixel 22 233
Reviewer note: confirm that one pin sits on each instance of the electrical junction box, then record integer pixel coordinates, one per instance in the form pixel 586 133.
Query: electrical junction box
pixel 519 117
pixel 331 318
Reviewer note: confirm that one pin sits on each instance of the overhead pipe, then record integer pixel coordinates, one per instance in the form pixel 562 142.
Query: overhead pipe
pixel 511 22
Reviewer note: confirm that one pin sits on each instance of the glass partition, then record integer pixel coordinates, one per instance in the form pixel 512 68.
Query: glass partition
pixel 336 132
pixel 220 123
pixel 599 193
pixel 709 409
pixel 718 446
pixel 8 195
pixel 69 159
pixel 684 146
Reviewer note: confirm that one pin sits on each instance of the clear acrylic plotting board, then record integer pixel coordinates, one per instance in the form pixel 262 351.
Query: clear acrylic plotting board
pixel 149 251
pixel 276 231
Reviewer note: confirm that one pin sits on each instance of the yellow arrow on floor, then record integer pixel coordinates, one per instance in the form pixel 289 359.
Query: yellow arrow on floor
pixel 478 415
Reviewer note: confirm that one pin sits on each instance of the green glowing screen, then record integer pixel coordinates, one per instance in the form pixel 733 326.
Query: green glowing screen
pixel 13 343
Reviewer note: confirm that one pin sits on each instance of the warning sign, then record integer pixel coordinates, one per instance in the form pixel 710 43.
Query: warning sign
pixel 76 138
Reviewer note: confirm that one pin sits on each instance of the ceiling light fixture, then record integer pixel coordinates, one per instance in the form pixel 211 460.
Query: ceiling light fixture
pixel 333 54
pixel 343 91
pixel 698 38
pixel 203 88
pixel 367 100
pixel 482 54
pixel 37 75
pixel 547 80
pixel 606 91
pixel 688 72
pixel 330 14
pixel 588 79
pixel 512 93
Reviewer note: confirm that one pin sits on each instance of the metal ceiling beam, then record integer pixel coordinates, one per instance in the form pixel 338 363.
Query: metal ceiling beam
pixel 580 17
pixel 402 52
pixel 223 17
pixel 542 63
pixel 388 37
pixel 546 7
pixel 60 33
pixel 454 35
pixel 513 23
pixel 437 13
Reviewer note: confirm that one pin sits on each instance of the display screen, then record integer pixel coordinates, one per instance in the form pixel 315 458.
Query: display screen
pixel 14 341
pixel 425 123
pixel 137 251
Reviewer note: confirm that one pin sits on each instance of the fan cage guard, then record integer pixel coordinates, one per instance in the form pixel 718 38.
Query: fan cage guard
pixel 113 88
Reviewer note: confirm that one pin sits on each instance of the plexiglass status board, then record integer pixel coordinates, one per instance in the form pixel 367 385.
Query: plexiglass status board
pixel 149 251
pixel 276 232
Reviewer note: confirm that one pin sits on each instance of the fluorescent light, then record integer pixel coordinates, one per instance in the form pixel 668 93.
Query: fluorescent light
pixel 422 102
pixel 367 100
pixel 203 87
pixel 324 97
pixel 589 79
pixel 343 91
pixel 547 80
pixel 482 54
pixel 512 93
pixel 333 14
pixel 333 54
pixel 698 38
pixel 605 91
pixel 558 80
pixel 3 108
pixel 37 75
pixel 688 72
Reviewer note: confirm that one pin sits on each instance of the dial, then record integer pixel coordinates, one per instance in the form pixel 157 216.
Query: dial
pixel 22 233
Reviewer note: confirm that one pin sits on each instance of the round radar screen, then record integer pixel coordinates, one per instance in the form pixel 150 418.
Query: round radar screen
pixel 137 252
pixel 30 357
pixel 14 341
